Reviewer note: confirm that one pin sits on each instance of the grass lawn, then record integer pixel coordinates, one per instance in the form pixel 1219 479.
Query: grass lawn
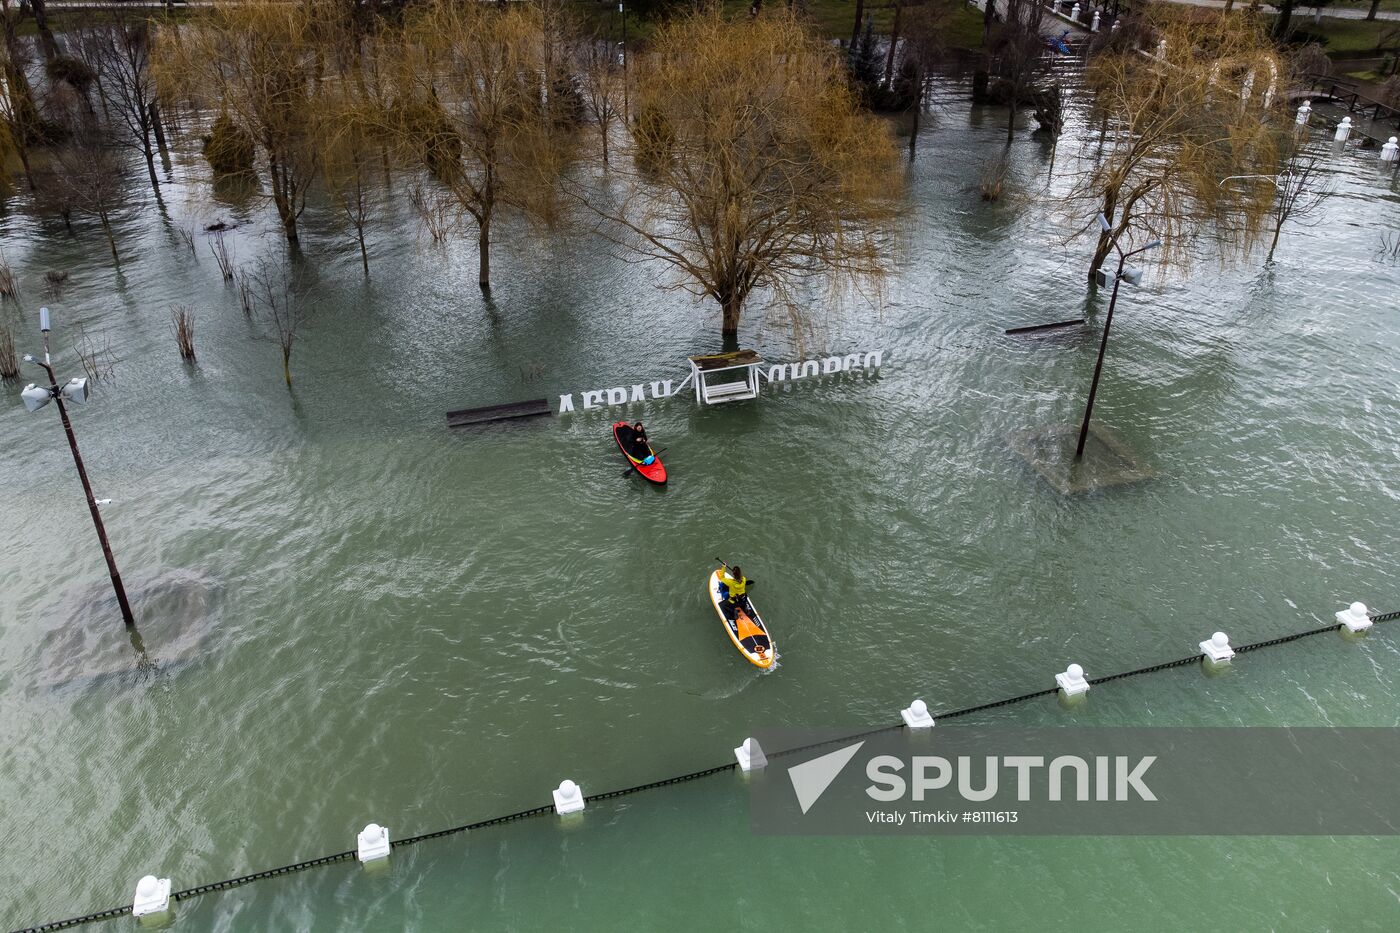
pixel 1353 35
pixel 835 19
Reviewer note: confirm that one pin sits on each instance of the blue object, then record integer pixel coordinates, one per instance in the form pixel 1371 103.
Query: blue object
pixel 651 458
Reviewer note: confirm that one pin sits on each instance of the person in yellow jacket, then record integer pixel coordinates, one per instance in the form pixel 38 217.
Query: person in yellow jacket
pixel 734 587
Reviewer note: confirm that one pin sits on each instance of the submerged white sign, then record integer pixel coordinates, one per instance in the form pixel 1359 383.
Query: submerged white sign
pixel 864 361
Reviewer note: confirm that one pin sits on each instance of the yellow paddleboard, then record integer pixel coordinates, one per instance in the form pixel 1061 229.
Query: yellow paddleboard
pixel 746 630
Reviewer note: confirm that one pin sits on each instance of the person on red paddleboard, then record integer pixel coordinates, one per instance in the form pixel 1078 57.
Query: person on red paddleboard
pixel 641 447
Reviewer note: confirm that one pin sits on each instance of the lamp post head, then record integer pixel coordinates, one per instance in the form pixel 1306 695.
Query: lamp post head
pixel 35 397
pixel 44 320
pixel 76 391
pixel 1153 245
pixel 1104 225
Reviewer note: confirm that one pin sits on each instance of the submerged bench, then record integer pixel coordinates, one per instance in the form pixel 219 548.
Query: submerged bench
pixel 465 416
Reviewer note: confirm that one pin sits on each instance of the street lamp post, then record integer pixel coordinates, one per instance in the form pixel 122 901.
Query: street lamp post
pixel 626 117
pixel 1108 323
pixel 76 391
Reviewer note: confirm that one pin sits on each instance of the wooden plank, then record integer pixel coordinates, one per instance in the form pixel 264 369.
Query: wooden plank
pixel 527 409
pixel 734 360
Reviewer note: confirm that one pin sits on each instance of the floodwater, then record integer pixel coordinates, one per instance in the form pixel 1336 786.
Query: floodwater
pixel 352 613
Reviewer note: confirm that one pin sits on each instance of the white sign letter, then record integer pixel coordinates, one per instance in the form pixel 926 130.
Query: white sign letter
pixel 566 403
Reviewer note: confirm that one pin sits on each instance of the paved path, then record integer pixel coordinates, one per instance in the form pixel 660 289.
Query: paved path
pixel 1300 11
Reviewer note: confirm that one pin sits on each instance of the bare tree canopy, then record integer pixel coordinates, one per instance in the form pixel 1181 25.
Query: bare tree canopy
pixel 753 165
pixel 254 61
pixel 1200 106
pixel 118 50
pixel 473 98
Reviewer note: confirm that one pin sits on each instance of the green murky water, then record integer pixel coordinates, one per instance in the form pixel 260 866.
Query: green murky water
pixel 388 621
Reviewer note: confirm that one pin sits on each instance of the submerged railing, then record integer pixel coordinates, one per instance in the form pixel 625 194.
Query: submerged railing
pixel 1354 619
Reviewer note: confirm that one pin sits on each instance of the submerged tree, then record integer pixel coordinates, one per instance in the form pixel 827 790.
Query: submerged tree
pixel 1299 190
pixel 23 125
pixel 254 61
pixel 923 50
pixel 602 87
pixel 275 297
pixel 470 101
pixel 758 168
pixel 89 177
pixel 119 52
pixel 1175 127
pixel 1017 53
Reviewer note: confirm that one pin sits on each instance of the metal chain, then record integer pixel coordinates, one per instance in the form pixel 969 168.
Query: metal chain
pixel 196 891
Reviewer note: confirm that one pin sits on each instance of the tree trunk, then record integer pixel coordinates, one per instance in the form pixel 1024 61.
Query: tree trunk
pixel 364 253
pixel 1105 246
pixel 41 22
pixel 284 198
pixel 894 44
pixel 989 14
pixel 159 132
pixel 287 363
pixel 151 167
pixel 1285 13
pixel 603 131
pixel 855 30
pixel 483 245
pixel 1278 228
pixel 1375 5
pixel 918 109
pixel 24 161
pixel 111 238
pixel 1229 5
pixel 1011 113
pixel 732 306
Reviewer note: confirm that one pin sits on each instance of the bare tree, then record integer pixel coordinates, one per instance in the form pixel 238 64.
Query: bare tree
pixel 755 167
pixel 1175 126
pixel 471 105
pixel 1017 52
pixel 89 178
pixel 602 85
pixel 1299 191
pixel 18 112
pixel 923 50
pixel 119 51
pixel 277 300
pixel 255 60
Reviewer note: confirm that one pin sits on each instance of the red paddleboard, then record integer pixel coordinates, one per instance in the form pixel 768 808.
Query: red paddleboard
pixel 653 471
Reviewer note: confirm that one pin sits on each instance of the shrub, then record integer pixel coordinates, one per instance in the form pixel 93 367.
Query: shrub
pixel 229 148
